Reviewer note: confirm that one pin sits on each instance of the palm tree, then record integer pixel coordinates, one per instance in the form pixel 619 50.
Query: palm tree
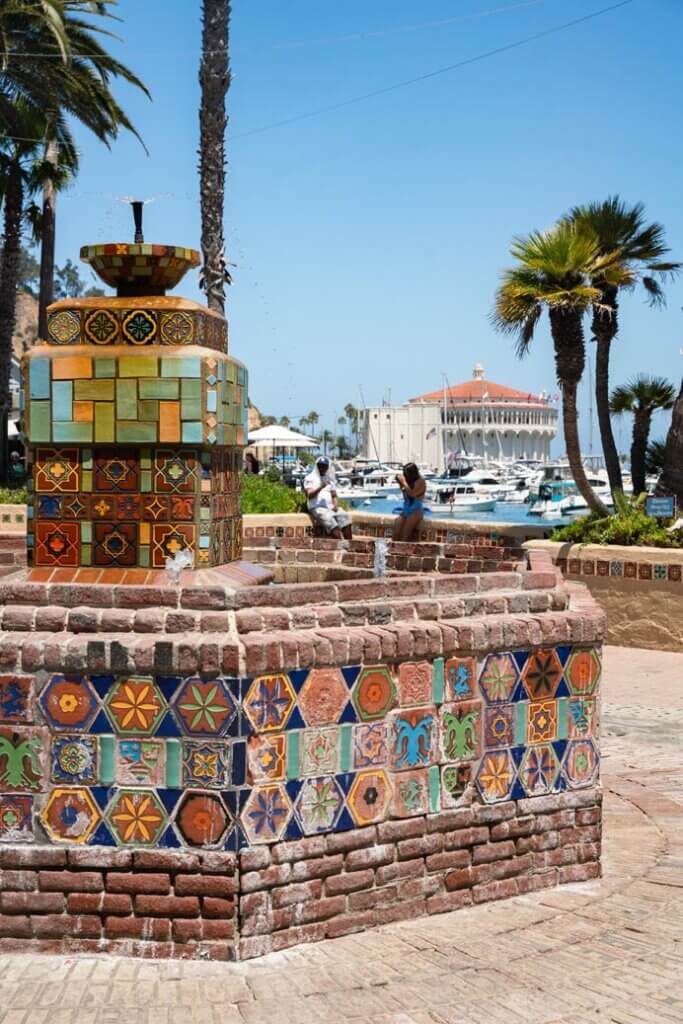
pixel 642 396
pixel 640 247
pixel 284 421
pixel 304 422
pixel 327 438
pixel 313 418
pixel 553 271
pixel 671 481
pixel 214 78
pixel 654 458
pixel 351 414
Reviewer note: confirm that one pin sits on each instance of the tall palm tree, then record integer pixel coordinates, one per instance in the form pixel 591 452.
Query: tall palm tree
pixel 352 415
pixel 553 271
pixel 671 481
pixel 621 230
pixel 327 438
pixel 214 78
pixel 313 418
pixel 641 396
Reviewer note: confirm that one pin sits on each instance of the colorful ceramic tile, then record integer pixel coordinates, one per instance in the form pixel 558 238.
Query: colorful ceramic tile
pixel 369 797
pixel 602 568
pixel 206 765
pixel 266 813
pixel 175 472
pixel 498 678
pixel 318 805
pixel 204 708
pixel 136 817
pixel 323 696
pixel 499 726
pixel 582 671
pixel 580 764
pixel 169 539
pixel 542 721
pixel 582 718
pixel 412 737
pixel 410 793
pixel 177 328
pixel 374 693
pixel 16 699
pixel 115 544
pixel 542 674
pixel 135 706
pixel 74 759
pixel 141 762
pixel 139 327
pixel 64 327
pixel 539 770
pixel 16 818
pixel 370 745
pixel 57 544
pixel 202 819
pixel 630 570
pixel 660 572
pixel 69 703
pixel 414 683
pixel 70 815
pixel 269 702
pixel 266 758
pixel 23 758
pixel 56 469
pixel 644 571
pixel 101 327
pixel 115 473
pixel 459 678
pixel 616 568
pixel 455 780
pixel 496 776
pixel 460 727
pixel 319 751
pixel 675 573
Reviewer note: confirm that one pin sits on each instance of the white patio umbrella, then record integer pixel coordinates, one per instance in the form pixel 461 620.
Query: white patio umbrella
pixel 277 436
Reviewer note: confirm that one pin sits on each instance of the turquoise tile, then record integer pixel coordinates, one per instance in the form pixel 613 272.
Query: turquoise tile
pixel 434 789
pixel 192 433
pixel 292 755
pixel 211 401
pixel 182 366
pixel 437 681
pixel 62 401
pixel 81 432
pixel 39 421
pixel 86 533
pixel 106 760
pixel 173 764
pixel 39 376
pixel 345 747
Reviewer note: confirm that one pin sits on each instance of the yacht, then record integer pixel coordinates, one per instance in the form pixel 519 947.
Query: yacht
pixel 461 497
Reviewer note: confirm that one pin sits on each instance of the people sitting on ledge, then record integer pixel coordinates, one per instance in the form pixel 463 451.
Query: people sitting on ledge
pixel 413 487
pixel 323 507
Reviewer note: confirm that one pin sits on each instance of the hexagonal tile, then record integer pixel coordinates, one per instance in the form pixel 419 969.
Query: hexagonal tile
pixel 542 674
pixel 136 817
pixel 204 708
pixel 582 671
pixel 323 696
pixel 266 813
pixel 539 770
pixel 374 693
pixel 135 706
pixel 69 703
pixel 498 678
pixel 269 702
pixel 318 805
pixel 202 819
pixel 70 815
pixel 496 776
pixel 580 763
pixel 369 797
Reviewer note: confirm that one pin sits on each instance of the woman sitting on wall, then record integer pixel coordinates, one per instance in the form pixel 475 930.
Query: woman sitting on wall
pixel 413 487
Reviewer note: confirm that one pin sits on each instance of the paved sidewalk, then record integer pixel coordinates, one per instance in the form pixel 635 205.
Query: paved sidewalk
pixel 607 951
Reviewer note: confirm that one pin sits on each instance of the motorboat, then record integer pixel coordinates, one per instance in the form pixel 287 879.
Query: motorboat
pixel 461 497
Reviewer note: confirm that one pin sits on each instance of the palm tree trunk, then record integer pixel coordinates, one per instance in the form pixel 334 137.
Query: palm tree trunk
pixel 214 78
pixel 9 275
pixel 47 240
pixel 605 327
pixel 671 481
pixel 641 433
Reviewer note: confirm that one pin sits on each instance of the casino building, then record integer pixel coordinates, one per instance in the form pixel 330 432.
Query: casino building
pixel 476 418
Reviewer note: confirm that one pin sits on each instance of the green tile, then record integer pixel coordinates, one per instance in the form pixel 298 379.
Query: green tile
pixel 86 458
pixel 63 401
pixel 192 433
pixel 86 480
pixel 434 789
pixel 86 554
pixel 520 721
pixel 72 432
pixel 562 721
pixel 105 367
pixel 140 366
pixel 180 366
pixel 86 533
pixel 190 409
pixel 190 388
pixel 173 764
pixel 107 760
pixel 145 458
pixel 143 556
pixel 104 421
pixel 148 409
pixel 437 680
pixel 164 389
pixel 39 421
pixel 126 399
pixel 345 747
pixel 132 432
pixel 293 754
pixel 94 390
pixel 145 481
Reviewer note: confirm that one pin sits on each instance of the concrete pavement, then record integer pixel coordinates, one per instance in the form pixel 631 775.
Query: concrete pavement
pixel 598 952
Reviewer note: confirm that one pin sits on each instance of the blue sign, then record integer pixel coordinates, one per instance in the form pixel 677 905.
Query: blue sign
pixel 663 507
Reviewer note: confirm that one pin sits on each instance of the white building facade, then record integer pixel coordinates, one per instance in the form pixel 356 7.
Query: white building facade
pixel 478 418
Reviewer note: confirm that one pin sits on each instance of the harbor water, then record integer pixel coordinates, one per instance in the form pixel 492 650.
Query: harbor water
pixel 514 513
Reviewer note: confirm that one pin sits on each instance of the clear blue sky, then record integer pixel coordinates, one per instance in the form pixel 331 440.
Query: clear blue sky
pixel 368 240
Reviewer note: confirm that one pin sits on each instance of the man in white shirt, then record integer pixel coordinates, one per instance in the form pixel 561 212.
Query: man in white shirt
pixel 322 501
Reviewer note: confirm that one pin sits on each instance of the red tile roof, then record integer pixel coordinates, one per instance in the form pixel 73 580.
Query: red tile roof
pixel 478 390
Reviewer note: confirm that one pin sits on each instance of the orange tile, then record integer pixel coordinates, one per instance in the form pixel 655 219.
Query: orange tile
pixel 112 576
pixel 39 575
pixel 145 533
pixel 136 577
pixel 63 575
pixel 71 368
pixel 83 412
pixel 88 575
pixel 169 421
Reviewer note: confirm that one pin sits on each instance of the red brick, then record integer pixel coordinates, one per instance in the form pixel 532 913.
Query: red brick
pixel 350 881
pixel 406 910
pixel 15 927
pixel 297 893
pixel 465 837
pixel 214 862
pixel 314 846
pixel 255 858
pixel 321 910
pixel 258 945
pixel 32 902
pixel 448 861
pixel 493 851
pixel 53 926
pixel 442 903
pixel 347 923
pixel 588 852
pixel 410 888
pixel 216 930
pixel 354 839
pixel 70 881
pixel 99 858
pixel 459 879
pixel 149 928
pixel 299 935
pixel 167 906
pixel 373 898
pixel 495 890
pixel 204 885
pixel 18 881
pixel 318 868
pixel 154 884
pixel 212 907
pixel 400 869
pixel 188 931
pixel 488 813
pixel 32 857
pixel 534 883
pixel 514 828
pixel 89 927
pixel 588 816
pixel 165 860
pixel 423 846
pixel 375 857
pixel 98 903
pixel 268 878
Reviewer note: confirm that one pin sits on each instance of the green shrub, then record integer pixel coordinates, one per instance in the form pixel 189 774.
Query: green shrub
pixel 260 495
pixel 630 527
pixel 13 496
